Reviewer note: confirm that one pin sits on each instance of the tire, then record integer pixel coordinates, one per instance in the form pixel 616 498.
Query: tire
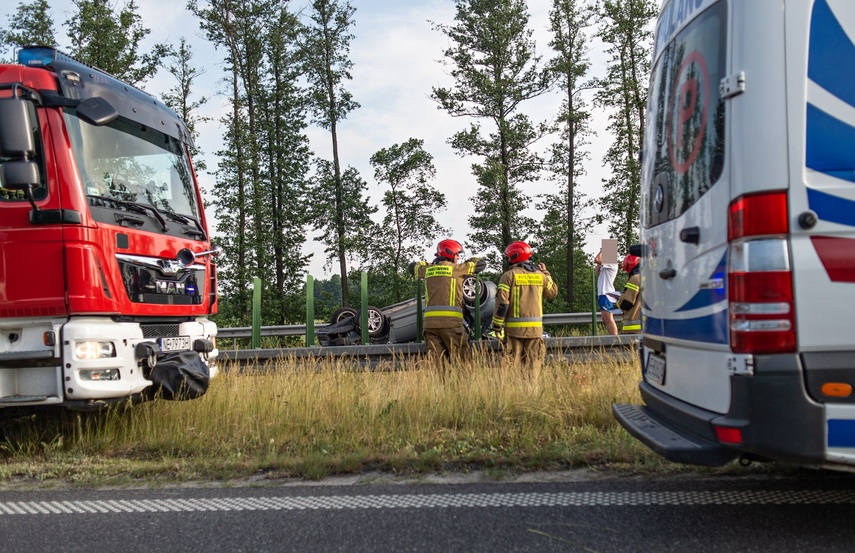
pixel 469 284
pixel 342 313
pixel 377 324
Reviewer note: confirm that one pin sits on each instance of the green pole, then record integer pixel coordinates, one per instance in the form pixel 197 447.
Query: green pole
pixel 363 316
pixel 310 311
pixel 594 310
pixel 477 307
pixel 419 310
pixel 256 313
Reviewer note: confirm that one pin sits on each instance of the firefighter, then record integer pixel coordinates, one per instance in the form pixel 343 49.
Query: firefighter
pixel 518 315
pixel 444 333
pixel 630 300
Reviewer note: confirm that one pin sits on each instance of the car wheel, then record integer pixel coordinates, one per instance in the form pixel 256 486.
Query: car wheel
pixel 376 322
pixel 341 314
pixel 469 284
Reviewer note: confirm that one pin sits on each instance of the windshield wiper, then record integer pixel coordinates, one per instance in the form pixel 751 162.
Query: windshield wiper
pixel 133 206
pixel 187 220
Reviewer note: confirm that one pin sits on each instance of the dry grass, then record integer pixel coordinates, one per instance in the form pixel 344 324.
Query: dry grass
pixel 320 418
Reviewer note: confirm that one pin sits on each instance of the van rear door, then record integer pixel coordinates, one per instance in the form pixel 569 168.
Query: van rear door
pixel 685 182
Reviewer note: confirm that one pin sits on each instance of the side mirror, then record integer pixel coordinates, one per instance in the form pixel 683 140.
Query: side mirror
pixel 20 175
pixel 16 128
pixel 97 111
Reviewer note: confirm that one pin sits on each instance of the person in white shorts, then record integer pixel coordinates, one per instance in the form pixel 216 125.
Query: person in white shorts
pixel 606 293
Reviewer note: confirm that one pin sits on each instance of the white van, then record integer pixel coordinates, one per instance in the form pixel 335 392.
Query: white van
pixel 748 234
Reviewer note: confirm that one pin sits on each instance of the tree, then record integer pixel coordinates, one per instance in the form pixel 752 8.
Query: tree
pixel 346 200
pixel 178 97
pixel 627 31
pixel 411 205
pixel 495 69
pixel 110 41
pixel 325 44
pixel 567 21
pixel 261 180
pixel 30 25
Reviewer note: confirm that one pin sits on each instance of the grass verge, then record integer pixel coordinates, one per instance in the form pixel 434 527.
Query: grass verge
pixel 320 418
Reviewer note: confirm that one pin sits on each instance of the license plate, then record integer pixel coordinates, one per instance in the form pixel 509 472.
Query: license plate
pixel 174 343
pixel 655 373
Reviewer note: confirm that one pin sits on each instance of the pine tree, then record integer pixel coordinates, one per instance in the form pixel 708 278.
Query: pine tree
pixel 111 41
pixel 325 45
pixel 627 31
pixel 495 69
pixel 179 99
pixel 568 20
pixel 30 25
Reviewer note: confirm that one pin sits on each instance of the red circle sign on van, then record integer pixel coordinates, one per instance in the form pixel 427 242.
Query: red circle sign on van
pixel 687 103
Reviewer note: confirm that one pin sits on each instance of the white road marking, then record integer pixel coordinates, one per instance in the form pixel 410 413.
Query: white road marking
pixel 433 501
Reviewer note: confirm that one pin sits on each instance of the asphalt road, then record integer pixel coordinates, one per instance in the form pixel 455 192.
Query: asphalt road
pixel 807 511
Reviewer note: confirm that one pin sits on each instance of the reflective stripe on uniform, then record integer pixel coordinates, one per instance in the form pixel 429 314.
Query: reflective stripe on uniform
pixel 504 287
pixel 446 313
pixel 631 325
pixel 632 286
pixel 450 308
pixel 523 324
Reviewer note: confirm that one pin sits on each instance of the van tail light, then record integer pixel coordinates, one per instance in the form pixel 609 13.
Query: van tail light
pixel 760 282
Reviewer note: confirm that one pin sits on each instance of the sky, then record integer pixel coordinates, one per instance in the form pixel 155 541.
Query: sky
pixel 396 56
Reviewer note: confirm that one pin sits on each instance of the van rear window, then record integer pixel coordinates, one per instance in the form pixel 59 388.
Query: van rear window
pixel 685 143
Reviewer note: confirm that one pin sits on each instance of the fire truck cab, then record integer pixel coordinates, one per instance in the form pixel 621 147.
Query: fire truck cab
pixel 107 276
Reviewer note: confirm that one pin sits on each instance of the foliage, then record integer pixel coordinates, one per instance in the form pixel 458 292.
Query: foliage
pixel 30 25
pixel 563 228
pixel 260 188
pixel 325 44
pixel 492 60
pixel 410 224
pixel 178 97
pixel 627 32
pixel 110 41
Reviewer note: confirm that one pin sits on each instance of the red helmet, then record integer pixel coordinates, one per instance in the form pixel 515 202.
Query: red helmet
pixel 630 262
pixel 448 249
pixel 518 251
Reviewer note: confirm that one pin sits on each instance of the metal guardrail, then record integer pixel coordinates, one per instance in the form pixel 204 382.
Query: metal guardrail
pixel 580 348
pixel 300 330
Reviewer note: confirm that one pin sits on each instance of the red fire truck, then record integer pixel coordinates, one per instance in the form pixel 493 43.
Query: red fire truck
pixel 107 276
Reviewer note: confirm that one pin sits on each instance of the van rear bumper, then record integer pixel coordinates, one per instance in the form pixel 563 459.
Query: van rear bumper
pixel 772 409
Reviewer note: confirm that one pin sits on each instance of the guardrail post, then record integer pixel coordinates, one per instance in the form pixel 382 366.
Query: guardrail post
pixel 594 294
pixel 256 312
pixel 310 311
pixel 419 293
pixel 477 307
pixel 363 315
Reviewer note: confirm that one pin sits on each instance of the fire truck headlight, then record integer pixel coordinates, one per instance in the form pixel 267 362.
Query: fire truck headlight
pixel 100 374
pixel 94 350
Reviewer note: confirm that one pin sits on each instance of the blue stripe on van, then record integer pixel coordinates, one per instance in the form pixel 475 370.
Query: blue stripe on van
pixel 710 296
pixel 831 55
pixel 711 329
pixel 833 209
pixel 841 433
pixel 828 142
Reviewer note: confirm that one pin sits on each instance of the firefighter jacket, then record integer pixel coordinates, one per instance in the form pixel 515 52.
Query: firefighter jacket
pixel 444 289
pixel 519 300
pixel 630 304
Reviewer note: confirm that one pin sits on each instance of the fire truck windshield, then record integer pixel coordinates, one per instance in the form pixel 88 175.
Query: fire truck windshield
pixel 129 162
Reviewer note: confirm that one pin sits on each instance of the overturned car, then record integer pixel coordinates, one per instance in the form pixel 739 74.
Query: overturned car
pixel 397 323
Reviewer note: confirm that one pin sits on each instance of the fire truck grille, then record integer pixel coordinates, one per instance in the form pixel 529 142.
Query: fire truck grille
pixel 159 331
pixel 168 299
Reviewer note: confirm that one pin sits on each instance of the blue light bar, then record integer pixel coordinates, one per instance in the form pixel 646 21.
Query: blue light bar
pixel 40 56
